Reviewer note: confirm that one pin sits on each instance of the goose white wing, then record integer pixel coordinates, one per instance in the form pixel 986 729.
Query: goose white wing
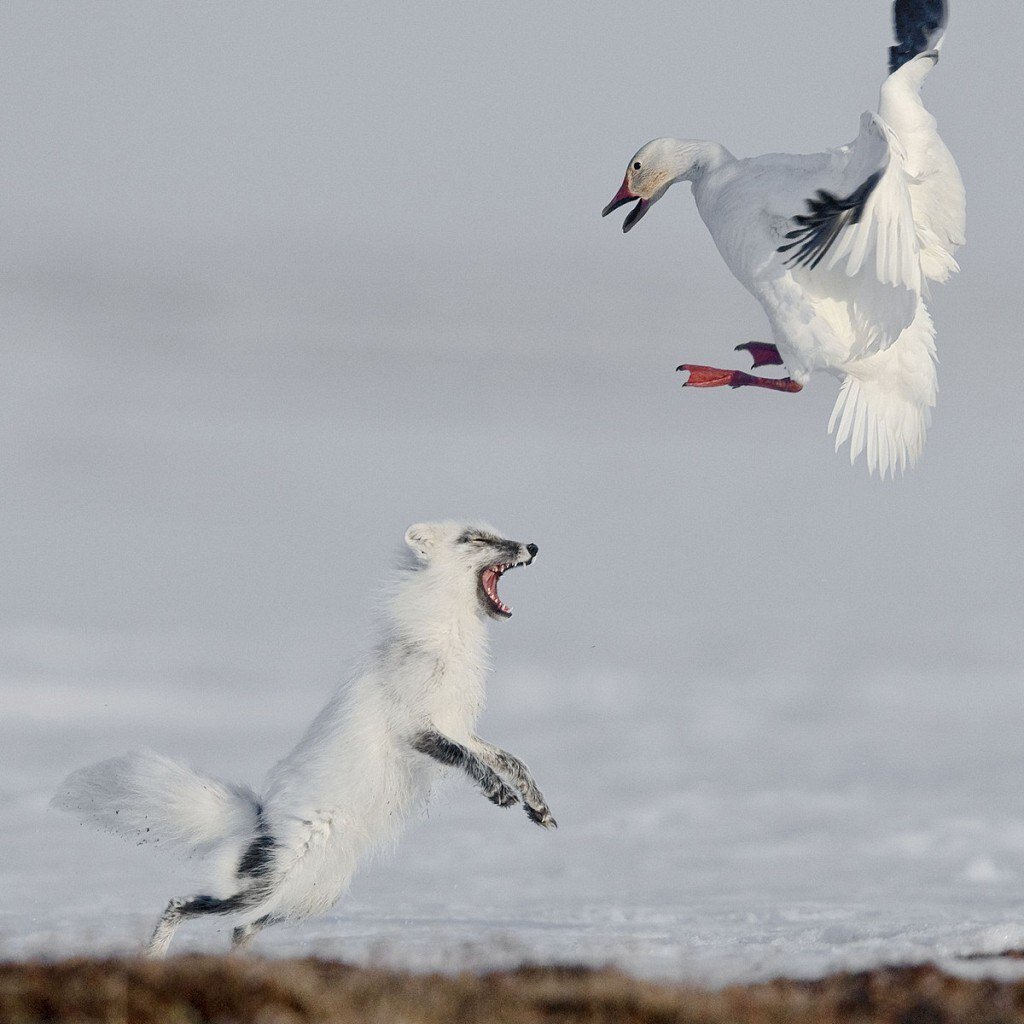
pixel 933 180
pixel 857 241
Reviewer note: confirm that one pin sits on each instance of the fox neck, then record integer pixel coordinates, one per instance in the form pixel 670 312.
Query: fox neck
pixel 438 613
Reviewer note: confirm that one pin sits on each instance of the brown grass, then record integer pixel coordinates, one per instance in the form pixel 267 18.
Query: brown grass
pixel 189 990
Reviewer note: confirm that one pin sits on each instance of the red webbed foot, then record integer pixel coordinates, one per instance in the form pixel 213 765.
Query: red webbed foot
pixel 762 353
pixel 708 377
pixel 711 377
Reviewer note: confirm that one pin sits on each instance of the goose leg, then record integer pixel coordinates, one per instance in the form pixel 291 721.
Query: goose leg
pixel 710 377
pixel 762 353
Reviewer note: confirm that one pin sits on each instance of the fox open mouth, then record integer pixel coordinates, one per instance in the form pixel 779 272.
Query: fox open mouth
pixel 489 588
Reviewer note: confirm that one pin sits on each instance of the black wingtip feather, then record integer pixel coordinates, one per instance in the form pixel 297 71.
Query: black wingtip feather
pixel 827 216
pixel 918 24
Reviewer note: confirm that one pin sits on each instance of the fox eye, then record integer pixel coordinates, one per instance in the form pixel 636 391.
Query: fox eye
pixel 636 166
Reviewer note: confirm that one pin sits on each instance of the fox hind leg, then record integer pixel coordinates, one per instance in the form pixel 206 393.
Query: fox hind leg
pixel 182 908
pixel 242 936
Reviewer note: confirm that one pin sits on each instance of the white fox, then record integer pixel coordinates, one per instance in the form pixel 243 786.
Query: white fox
pixel 364 765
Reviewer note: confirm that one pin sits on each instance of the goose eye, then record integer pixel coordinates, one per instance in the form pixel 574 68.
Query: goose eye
pixel 636 166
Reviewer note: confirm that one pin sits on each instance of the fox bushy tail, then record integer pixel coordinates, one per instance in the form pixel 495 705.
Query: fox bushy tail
pixel 150 798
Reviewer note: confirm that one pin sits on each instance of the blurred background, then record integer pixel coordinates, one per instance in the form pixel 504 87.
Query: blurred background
pixel 278 280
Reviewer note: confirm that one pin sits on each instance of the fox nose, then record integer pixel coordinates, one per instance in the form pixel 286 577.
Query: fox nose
pixel 533 549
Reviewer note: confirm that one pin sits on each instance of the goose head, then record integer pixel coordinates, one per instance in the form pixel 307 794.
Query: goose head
pixel 652 170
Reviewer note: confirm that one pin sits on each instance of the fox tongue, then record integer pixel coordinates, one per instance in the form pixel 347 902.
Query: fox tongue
pixel 489 577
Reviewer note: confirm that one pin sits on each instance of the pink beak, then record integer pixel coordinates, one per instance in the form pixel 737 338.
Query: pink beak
pixel 625 195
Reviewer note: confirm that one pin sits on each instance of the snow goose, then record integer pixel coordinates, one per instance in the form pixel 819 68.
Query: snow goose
pixel 838 248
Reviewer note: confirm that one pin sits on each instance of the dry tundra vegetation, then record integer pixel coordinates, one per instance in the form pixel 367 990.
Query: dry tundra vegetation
pixel 193 989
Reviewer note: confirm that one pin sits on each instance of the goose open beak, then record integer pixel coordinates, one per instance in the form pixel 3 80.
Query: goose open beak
pixel 625 195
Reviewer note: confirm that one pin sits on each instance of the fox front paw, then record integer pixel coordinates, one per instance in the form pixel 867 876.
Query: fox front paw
pixel 541 816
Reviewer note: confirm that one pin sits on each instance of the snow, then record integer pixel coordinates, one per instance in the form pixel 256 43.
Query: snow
pixel 726 831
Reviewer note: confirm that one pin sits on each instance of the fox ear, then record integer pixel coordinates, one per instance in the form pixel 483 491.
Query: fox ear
pixel 422 538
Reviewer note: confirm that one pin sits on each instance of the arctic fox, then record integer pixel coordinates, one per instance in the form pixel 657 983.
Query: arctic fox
pixel 366 762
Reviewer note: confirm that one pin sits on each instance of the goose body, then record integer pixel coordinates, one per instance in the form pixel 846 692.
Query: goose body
pixel 838 247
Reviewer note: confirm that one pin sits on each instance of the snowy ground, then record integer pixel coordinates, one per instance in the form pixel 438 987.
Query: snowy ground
pixel 730 832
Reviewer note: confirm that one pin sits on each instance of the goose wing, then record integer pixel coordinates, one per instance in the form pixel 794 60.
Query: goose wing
pixel 894 212
pixel 856 241
pixel 933 180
